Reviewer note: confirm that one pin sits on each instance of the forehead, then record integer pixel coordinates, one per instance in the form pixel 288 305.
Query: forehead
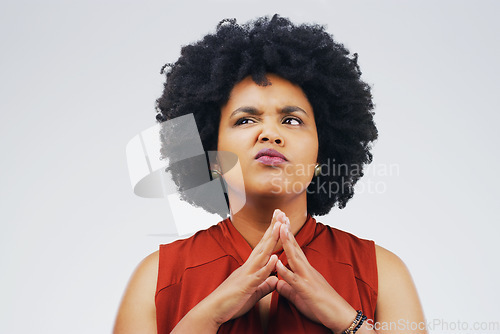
pixel 280 92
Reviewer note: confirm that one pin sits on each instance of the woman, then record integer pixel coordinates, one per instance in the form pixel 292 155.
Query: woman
pixel 289 102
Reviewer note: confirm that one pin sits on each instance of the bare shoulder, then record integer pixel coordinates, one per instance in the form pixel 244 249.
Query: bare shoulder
pixel 137 312
pixel 393 275
pixel 149 266
pixel 388 262
pixel 397 300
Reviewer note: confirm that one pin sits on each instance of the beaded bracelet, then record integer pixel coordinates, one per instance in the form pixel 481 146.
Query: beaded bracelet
pixel 356 323
pixel 360 323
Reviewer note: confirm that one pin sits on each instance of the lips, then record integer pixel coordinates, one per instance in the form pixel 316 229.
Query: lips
pixel 271 157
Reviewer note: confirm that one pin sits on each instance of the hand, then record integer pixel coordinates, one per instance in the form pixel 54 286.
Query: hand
pixel 250 282
pixel 308 290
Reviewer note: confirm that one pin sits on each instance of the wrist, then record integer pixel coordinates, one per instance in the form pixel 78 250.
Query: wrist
pixel 343 321
pixel 355 325
pixel 205 313
pixel 198 320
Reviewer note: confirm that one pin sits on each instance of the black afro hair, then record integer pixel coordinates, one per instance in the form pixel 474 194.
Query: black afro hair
pixel 202 78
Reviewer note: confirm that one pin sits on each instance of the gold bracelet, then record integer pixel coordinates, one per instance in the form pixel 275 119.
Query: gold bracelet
pixel 355 322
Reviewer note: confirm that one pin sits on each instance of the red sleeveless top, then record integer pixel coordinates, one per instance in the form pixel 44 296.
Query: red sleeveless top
pixel 190 269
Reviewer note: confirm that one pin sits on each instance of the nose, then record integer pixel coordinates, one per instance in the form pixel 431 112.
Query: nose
pixel 270 134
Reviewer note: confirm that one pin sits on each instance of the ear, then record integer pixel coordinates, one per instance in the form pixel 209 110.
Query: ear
pixel 213 161
pixel 215 171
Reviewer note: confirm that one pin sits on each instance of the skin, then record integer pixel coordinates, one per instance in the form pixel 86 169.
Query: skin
pixel 254 118
pixel 278 116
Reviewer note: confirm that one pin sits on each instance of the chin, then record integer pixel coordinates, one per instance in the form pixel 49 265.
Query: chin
pixel 273 187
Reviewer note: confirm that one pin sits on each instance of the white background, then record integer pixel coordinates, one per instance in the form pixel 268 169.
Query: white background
pixel 79 79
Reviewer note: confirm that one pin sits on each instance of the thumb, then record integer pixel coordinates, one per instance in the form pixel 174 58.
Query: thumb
pixel 286 290
pixel 269 285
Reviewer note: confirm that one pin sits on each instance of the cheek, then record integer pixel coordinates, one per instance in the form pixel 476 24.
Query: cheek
pixel 310 148
pixel 225 142
pixel 236 144
pixel 305 158
pixel 237 141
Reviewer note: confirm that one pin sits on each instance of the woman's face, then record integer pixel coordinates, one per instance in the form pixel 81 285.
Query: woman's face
pixel 272 131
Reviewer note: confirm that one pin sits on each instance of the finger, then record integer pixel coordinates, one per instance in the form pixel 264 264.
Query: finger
pixel 271 264
pixel 263 273
pixel 271 225
pixel 269 285
pixel 281 216
pixel 286 290
pixel 289 276
pixel 270 242
pixel 291 238
pixel 266 245
pixel 296 257
pixel 269 230
pixel 290 284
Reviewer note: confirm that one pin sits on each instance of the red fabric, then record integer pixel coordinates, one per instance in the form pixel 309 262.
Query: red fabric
pixel 192 268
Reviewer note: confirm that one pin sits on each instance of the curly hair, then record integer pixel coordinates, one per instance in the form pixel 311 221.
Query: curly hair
pixel 202 78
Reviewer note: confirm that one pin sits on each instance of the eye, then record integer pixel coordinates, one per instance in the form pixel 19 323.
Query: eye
pixel 292 121
pixel 244 120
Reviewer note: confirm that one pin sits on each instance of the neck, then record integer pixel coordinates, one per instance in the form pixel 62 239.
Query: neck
pixel 254 217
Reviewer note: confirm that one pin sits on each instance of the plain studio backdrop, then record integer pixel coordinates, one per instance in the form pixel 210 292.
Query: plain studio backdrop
pixel 79 79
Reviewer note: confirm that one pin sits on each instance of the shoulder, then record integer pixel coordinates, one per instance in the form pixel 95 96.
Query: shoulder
pixel 328 231
pixel 137 312
pixel 174 259
pixel 200 247
pixel 143 280
pixel 148 266
pixel 345 246
pixel 397 297
pixel 391 269
pixel 144 276
pixel 389 261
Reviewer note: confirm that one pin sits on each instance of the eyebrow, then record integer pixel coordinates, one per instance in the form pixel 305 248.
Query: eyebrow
pixel 254 111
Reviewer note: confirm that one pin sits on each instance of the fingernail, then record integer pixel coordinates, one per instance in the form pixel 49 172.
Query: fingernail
pixel 286 231
pixel 275 212
pixel 287 220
